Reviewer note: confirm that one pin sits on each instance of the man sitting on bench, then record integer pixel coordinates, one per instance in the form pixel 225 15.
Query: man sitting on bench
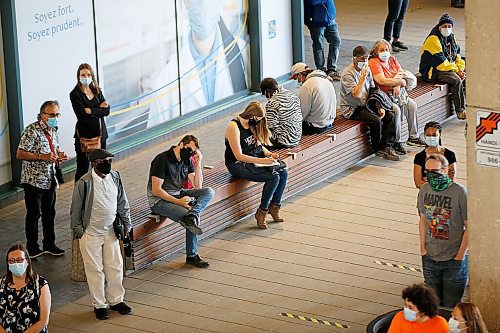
pixel 169 171
pixel 317 99
pixel 355 84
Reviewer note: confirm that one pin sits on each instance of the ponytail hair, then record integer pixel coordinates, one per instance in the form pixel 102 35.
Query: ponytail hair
pixel 260 132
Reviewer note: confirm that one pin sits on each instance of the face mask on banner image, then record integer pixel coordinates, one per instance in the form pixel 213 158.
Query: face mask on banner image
pixel 204 16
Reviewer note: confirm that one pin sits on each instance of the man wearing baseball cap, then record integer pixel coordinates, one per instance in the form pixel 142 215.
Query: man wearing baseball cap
pixel 98 199
pixel 440 61
pixel 355 84
pixel 318 101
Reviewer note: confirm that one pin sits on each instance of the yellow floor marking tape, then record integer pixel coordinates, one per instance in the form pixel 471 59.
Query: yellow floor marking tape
pixel 314 320
pixel 408 268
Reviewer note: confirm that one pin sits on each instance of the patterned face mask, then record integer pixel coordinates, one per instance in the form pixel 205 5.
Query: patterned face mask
pixel 438 181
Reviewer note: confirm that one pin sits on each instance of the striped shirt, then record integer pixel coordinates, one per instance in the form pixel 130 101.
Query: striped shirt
pixel 284 117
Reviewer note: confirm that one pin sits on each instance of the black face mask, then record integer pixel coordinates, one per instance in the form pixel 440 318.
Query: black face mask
pixel 253 122
pixel 186 153
pixel 104 167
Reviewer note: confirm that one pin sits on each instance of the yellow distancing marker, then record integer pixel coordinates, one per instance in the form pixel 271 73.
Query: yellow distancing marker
pixel 408 268
pixel 314 320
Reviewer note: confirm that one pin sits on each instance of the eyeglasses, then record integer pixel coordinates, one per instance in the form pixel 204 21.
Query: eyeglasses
pixel 52 115
pixel 16 260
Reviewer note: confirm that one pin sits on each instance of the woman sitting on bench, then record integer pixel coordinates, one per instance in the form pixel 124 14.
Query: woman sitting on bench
pixel 247 158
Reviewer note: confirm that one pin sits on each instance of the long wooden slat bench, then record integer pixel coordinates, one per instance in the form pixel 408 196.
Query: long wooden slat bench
pixel 314 160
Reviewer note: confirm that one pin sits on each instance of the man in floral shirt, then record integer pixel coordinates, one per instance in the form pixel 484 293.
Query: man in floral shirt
pixel 39 151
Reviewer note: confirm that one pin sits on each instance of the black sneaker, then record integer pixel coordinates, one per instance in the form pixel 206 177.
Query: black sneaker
pixel 334 75
pixel 400 45
pixel 399 149
pixel 388 154
pixel 395 49
pixel 35 252
pixel 417 142
pixel 196 261
pixel 102 313
pixel 122 308
pixel 190 221
pixel 54 250
pixel 461 115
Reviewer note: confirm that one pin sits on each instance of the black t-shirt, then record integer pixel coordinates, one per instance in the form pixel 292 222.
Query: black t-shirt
pixel 173 172
pixel 420 159
pixel 248 143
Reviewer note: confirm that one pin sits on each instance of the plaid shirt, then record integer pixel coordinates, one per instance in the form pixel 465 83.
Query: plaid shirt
pixel 33 140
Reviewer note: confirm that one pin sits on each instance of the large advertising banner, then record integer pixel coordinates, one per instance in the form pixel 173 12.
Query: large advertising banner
pixel 276 27
pixel 213 51
pixel 137 52
pixel 5 170
pixel 54 37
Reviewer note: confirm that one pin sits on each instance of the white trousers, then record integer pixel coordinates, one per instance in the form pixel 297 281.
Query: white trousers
pixel 104 268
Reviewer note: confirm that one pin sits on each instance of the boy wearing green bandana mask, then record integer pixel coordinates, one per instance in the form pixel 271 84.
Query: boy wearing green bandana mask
pixel 442 205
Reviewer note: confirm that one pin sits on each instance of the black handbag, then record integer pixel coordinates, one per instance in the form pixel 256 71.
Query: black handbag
pixel 119 227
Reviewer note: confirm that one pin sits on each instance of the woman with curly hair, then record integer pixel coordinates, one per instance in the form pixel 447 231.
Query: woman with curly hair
pixel 419 314
pixel 466 318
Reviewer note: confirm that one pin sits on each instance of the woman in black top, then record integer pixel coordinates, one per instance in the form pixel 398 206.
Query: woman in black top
pixel 432 132
pixel 90 108
pixel 24 296
pixel 245 137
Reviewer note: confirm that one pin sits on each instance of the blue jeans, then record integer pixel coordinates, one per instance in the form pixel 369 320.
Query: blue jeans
pixel 448 278
pixel 333 38
pixel 175 213
pixel 275 181
pixel 395 17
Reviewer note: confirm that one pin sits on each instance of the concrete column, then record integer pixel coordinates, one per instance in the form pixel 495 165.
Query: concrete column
pixel 483 92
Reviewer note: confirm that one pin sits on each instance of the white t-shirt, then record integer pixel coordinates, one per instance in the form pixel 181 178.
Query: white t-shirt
pixel 104 206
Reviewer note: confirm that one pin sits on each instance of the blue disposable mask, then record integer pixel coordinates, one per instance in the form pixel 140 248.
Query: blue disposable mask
pixel 431 141
pixel 361 64
pixel 453 326
pixel 53 122
pixel 203 16
pixel 384 56
pixel 86 81
pixel 18 268
pixel 445 31
pixel 409 314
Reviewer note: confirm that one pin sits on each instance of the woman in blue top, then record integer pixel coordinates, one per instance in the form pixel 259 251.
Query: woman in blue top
pixel 247 158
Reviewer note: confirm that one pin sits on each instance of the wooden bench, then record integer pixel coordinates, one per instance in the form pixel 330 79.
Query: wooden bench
pixel 315 159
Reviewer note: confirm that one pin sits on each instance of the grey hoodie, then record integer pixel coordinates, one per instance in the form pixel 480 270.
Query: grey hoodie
pixel 318 100
pixel 80 211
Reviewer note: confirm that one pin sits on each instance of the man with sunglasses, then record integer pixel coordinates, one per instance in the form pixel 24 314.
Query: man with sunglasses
pixel 40 154
pixel 442 205
pixel 167 197
pixel 98 199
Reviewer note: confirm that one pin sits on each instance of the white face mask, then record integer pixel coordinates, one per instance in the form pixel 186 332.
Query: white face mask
pixel 384 56
pixel 86 81
pixel 445 31
pixel 361 64
pixel 410 315
pixel 453 325
pixel 432 141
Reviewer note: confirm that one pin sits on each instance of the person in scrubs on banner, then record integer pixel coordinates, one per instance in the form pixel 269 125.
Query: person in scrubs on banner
pixel 210 68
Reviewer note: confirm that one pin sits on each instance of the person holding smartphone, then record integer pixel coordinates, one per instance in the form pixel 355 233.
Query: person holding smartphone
pixel 247 158
pixel 167 197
